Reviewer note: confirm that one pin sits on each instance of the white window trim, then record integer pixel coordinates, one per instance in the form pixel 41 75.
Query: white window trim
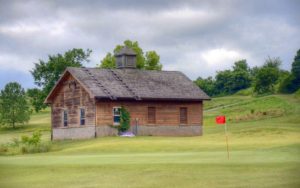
pixel 113 115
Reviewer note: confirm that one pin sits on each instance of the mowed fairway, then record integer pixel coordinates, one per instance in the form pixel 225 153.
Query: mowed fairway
pixel 264 152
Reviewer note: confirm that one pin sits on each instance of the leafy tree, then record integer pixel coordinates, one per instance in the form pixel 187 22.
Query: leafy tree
pixel 231 81
pixel 108 61
pixel 14 108
pixel 124 120
pixel 46 73
pixel 150 61
pixel 296 66
pixel 241 65
pixel 267 76
pixel 241 78
pixel 224 82
pixel 36 96
pixel 207 85
pixel 291 82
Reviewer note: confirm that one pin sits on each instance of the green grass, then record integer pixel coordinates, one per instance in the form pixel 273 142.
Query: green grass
pixel 264 152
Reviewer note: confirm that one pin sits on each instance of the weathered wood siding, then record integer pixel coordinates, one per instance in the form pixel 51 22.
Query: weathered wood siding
pixel 167 113
pixel 71 96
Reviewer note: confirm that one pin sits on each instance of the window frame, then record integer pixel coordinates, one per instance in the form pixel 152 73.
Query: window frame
pixel 186 115
pixel 65 119
pixel 118 115
pixel 154 121
pixel 82 118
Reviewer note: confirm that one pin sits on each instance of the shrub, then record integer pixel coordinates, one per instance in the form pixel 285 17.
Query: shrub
pixel 34 140
pixel 33 144
pixel 124 120
pixel 27 144
pixel 35 148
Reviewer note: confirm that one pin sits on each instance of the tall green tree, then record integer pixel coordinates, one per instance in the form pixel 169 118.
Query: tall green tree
pixel 296 66
pixel 231 81
pixel 36 97
pixel 109 61
pixel 148 61
pixel 224 82
pixel 46 73
pixel 152 61
pixel 14 108
pixel 267 76
pixel 241 78
pixel 291 83
pixel 208 85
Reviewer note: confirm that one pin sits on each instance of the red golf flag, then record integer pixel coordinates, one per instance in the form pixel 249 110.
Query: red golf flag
pixel 220 120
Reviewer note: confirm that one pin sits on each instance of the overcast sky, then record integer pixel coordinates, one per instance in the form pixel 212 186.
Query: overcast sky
pixel 195 37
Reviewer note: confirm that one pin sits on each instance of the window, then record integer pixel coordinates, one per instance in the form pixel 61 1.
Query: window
pixel 151 115
pixel 116 115
pixel 183 115
pixel 65 118
pixel 82 116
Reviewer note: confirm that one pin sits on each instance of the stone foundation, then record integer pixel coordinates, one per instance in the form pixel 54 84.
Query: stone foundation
pixel 105 130
pixel 168 130
pixel 73 133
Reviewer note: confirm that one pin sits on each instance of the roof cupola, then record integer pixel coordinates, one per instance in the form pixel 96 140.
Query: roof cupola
pixel 126 58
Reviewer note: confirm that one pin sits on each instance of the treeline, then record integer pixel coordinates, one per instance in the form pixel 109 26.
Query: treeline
pixel 266 79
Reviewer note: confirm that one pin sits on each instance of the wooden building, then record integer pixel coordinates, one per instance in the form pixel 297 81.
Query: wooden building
pixel 85 102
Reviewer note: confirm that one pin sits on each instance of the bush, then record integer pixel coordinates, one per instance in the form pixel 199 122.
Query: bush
pixel 27 144
pixel 34 140
pixel 124 121
pixel 33 144
pixel 35 148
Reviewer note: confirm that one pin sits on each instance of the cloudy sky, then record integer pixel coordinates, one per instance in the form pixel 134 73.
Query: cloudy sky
pixel 195 37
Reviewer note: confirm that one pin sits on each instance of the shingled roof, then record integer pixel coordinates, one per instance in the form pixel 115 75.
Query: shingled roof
pixel 117 84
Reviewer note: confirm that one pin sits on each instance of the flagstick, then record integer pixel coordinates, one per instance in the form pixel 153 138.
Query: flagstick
pixel 226 140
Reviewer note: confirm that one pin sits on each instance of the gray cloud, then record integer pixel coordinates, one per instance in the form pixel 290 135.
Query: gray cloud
pixel 197 37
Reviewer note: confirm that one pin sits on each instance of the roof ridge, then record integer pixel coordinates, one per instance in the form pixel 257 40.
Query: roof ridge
pixel 118 78
pixel 97 68
pixel 105 90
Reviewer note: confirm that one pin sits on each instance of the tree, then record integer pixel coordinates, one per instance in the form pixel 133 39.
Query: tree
pixel 46 74
pixel 241 78
pixel 208 85
pixel 291 83
pixel 224 82
pixel 296 66
pixel 14 108
pixel 231 81
pixel 150 61
pixel 109 61
pixel 36 97
pixel 267 76
pixel 241 65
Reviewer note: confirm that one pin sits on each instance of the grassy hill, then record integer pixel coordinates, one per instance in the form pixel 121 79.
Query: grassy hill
pixel 264 137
